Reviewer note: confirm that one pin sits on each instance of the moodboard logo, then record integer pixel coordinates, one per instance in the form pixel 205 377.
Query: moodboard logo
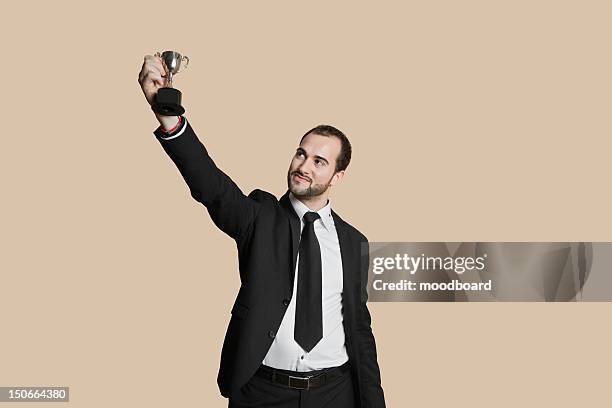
pixel 488 271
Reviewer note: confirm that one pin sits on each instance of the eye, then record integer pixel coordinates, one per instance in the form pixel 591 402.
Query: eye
pixel 299 154
pixel 319 163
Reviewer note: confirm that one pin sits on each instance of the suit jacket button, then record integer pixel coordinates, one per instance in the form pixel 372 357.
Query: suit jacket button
pixel 271 334
pixel 286 302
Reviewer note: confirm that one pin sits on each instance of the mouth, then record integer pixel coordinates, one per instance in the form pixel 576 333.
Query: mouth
pixel 300 179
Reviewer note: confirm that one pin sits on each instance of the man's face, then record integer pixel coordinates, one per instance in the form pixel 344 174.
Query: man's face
pixel 313 167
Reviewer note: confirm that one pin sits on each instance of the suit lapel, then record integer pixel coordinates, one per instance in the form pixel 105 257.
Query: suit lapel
pixel 295 226
pixel 348 254
pixel 350 260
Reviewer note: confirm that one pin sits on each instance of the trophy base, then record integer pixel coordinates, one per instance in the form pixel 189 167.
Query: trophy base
pixel 168 102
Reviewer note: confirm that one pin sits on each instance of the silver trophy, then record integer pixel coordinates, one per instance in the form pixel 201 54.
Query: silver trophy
pixel 168 99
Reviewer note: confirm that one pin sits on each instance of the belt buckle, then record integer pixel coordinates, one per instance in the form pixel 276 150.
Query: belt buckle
pixel 303 379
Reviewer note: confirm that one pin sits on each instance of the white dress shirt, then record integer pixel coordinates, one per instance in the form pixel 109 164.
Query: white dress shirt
pixel 285 353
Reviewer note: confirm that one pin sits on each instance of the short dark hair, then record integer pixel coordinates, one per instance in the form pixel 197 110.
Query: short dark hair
pixel 344 158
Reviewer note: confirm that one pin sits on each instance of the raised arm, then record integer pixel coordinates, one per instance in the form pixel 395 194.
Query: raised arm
pixel 229 208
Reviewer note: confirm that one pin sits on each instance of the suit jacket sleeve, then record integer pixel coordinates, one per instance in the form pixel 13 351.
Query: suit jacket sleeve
pixel 371 389
pixel 229 208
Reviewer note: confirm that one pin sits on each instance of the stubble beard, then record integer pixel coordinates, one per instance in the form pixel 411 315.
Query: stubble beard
pixel 313 190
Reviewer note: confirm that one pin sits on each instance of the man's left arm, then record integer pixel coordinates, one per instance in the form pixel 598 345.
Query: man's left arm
pixel 371 389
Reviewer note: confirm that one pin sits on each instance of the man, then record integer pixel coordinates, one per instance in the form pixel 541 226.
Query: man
pixel 300 334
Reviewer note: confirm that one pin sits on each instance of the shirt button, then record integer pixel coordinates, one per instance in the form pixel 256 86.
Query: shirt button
pixel 301 358
pixel 286 302
pixel 271 334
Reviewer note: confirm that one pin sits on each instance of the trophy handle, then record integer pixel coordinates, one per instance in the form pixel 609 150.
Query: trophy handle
pixel 184 67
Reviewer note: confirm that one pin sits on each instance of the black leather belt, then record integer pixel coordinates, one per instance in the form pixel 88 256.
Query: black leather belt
pixel 301 383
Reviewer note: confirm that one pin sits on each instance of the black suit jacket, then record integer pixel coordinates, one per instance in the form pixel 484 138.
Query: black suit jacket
pixel 267 231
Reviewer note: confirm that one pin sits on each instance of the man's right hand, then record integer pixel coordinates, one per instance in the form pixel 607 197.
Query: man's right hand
pixel 151 78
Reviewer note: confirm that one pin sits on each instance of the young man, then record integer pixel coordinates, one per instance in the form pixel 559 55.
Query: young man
pixel 300 334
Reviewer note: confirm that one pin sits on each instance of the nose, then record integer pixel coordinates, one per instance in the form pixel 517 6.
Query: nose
pixel 305 167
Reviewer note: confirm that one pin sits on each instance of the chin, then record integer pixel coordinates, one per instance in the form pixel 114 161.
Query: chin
pixel 297 191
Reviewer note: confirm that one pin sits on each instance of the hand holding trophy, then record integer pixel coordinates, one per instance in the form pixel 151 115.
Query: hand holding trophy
pixel 168 99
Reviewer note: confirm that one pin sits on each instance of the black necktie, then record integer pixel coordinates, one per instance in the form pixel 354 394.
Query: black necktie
pixel 308 313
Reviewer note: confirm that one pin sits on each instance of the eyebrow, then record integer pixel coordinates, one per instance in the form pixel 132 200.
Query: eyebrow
pixel 300 150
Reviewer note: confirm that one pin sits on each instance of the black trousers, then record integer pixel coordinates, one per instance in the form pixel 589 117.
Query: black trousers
pixel 261 393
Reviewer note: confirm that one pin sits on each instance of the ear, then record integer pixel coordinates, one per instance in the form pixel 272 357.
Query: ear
pixel 336 178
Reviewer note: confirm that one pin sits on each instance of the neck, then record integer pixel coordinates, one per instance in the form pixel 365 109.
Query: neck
pixel 314 203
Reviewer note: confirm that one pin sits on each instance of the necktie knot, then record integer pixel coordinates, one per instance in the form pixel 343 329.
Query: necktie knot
pixel 311 217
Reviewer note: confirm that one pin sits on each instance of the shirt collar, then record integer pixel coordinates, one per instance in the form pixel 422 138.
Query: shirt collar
pixel 301 209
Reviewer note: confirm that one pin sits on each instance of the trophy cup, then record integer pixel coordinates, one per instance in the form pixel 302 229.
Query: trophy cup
pixel 168 99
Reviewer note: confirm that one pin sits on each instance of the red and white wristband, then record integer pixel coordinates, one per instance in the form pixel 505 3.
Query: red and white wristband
pixel 175 127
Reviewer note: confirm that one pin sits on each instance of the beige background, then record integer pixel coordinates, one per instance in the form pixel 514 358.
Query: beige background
pixel 473 120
